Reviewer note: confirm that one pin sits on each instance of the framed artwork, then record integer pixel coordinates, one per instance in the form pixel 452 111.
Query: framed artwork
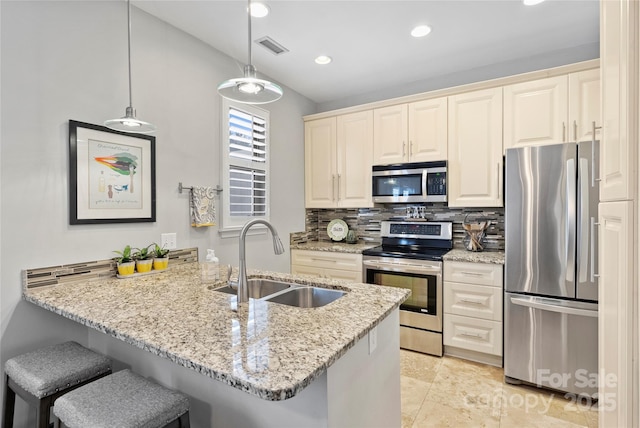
pixel 112 175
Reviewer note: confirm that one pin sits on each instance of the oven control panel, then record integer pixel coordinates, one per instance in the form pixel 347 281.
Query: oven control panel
pixel 419 230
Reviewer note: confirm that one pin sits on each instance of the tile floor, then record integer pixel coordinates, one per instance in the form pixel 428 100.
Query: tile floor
pixel 451 392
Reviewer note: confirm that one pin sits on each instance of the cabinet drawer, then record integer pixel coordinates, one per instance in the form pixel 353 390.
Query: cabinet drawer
pixel 325 259
pixel 473 334
pixel 307 270
pixel 473 273
pixel 473 300
pixel 347 275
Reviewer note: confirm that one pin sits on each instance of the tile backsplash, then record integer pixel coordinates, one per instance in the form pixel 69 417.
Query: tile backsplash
pixel 366 221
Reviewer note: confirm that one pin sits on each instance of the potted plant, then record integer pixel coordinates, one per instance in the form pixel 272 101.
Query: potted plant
pixel 126 264
pixel 161 257
pixel 144 259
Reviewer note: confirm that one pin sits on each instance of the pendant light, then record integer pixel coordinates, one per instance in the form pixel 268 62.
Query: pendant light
pixel 129 123
pixel 249 89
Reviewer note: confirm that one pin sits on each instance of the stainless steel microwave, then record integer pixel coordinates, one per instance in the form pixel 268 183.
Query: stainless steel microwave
pixel 410 182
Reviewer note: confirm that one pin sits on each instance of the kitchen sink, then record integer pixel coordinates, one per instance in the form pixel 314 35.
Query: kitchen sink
pixel 258 288
pixel 306 297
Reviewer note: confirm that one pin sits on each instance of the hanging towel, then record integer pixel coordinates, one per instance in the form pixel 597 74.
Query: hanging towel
pixel 203 208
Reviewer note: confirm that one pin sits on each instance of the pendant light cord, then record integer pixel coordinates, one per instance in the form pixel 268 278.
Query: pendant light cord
pixel 129 50
pixel 249 26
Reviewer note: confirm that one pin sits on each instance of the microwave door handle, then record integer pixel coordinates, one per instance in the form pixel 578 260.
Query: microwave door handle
pixel 424 184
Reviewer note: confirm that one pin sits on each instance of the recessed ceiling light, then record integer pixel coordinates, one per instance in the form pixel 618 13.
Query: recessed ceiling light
pixel 323 60
pixel 259 10
pixel 531 2
pixel 421 31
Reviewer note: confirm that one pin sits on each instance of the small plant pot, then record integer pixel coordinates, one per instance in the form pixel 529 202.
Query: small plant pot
pixel 144 265
pixel 160 263
pixel 127 268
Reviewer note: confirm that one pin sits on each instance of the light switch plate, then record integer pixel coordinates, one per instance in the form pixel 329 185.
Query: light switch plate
pixel 168 241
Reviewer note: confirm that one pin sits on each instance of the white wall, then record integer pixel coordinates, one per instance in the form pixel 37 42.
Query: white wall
pixel 66 60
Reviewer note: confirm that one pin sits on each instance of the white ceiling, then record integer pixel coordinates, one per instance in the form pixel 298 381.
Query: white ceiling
pixel 369 41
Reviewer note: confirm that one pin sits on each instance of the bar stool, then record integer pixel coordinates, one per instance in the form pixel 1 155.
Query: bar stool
pixel 41 376
pixel 125 400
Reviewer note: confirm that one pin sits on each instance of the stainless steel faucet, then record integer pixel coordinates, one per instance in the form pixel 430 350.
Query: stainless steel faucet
pixel 278 248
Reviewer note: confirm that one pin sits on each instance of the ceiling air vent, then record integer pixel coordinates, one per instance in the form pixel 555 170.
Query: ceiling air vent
pixel 273 46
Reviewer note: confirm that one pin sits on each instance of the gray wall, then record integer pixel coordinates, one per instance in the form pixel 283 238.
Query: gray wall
pixel 499 69
pixel 68 60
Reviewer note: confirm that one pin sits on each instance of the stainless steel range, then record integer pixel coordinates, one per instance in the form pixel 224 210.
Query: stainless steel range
pixel 411 257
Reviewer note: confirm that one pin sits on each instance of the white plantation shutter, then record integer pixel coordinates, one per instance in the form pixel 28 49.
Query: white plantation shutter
pixel 245 156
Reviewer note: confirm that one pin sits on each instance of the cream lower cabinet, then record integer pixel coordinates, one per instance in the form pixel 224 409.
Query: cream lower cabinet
pixel 552 110
pixel 472 302
pixel 475 149
pixel 325 264
pixel 338 159
pixel 414 132
pixel 616 333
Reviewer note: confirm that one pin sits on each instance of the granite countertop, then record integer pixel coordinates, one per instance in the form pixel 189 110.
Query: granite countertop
pixel 335 247
pixel 460 255
pixel 266 349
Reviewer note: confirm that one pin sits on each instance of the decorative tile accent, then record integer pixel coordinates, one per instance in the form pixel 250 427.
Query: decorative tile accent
pixel 100 269
pixel 366 221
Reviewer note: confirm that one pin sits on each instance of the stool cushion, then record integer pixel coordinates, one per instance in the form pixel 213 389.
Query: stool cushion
pixel 53 368
pixel 123 399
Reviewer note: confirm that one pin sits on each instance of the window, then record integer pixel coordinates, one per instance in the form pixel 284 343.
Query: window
pixel 245 164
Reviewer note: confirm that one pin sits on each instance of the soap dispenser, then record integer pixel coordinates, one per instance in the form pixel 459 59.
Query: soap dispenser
pixel 210 269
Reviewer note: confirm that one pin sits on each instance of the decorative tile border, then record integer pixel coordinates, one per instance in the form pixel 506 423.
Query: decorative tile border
pixel 55 275
pixel 366 222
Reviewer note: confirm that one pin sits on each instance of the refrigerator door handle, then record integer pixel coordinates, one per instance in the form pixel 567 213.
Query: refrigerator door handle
pixel 594 275
pixel 537 304
pixel 583 219
pixel 570 221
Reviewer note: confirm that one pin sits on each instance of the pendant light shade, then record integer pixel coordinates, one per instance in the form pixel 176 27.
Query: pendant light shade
pixel 249 89
pixel 129 123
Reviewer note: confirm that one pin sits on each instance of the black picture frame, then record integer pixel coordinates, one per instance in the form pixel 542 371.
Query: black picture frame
pixel 112 175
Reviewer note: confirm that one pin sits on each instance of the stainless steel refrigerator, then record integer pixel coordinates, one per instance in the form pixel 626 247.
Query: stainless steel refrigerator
pixel 551 283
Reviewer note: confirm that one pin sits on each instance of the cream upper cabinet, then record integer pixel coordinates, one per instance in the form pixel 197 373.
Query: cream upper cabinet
pixel 475 149
pixel 390 134
pixel 355 151
pixel 618 151
pixel 553 110
pixel 320 154
pixel 584 105
pixel 414 132
pixel 338 153
pixel 535 112
pixel 428 130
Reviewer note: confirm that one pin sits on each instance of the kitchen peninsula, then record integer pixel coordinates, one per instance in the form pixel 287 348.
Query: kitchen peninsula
pixel 265 364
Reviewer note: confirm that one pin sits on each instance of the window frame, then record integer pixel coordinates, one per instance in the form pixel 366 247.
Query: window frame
pixel 230 226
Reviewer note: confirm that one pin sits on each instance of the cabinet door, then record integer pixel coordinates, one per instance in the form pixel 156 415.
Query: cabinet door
pixel 475 149
pixel 355 157
pixel 584 104
pixel 535 112
pixel 616 294
pixel 320 163
pixel 428 130
pixel 390 135
pixel 618 47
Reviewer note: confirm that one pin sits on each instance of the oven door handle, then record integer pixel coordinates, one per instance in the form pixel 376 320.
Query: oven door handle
pixel 403 267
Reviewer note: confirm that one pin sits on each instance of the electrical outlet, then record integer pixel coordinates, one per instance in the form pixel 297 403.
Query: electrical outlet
pixel 373 340
pixel 168 241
